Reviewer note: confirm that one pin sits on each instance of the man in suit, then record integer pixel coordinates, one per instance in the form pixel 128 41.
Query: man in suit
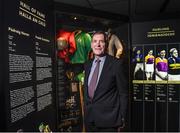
pixel 105 102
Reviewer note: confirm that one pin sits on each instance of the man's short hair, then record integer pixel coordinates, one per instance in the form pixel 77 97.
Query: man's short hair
pixel 101 32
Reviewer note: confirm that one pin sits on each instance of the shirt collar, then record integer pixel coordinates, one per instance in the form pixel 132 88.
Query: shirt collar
pixel 101 58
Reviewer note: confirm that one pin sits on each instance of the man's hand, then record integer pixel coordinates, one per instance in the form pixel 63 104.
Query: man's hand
pixel 122 126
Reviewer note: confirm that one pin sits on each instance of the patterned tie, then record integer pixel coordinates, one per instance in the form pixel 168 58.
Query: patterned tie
pixel 93 82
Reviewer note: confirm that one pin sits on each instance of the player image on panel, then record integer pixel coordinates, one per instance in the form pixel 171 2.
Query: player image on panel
pixel 138 61
pixel 161 66
pixel 149 65
pixel 174 65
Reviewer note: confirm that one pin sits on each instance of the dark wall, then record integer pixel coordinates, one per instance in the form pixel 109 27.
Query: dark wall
pixel 154 103
pixel 2 110
pixel 28 66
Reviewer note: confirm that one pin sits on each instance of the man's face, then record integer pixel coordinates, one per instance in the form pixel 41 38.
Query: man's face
pixel 150 52
pixel 138 52
pixel 163 53
pixel 175 53
pixel 98 44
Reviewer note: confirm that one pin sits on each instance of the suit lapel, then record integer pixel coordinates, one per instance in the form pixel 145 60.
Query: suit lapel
pixel 88 71
pixel 104 70
pixel 89 65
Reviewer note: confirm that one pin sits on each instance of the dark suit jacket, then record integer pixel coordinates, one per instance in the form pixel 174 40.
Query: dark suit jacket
pixel 108 106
